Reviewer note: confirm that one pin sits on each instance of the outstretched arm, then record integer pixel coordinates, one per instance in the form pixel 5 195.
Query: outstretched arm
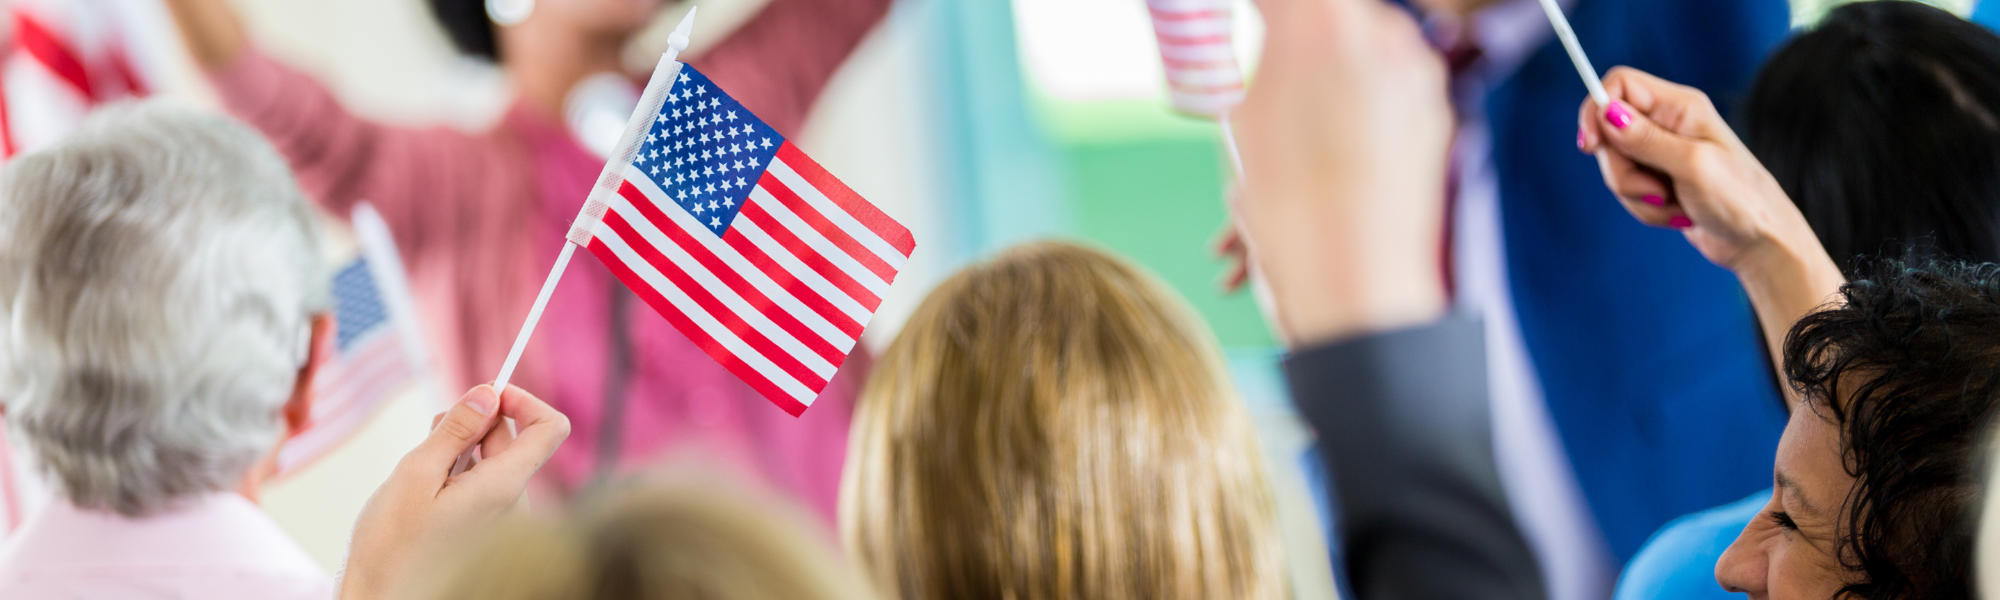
pixel 780 61
pixel 422 506
pixel 211 29
pixel 1673 161
pixel 426 182
pixel 1404 429
pixel 1345 135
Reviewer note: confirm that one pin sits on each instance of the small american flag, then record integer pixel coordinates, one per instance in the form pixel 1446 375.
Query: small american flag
pixel 1203 78
pixel 747 246
pixel 376 350
pixel 67 58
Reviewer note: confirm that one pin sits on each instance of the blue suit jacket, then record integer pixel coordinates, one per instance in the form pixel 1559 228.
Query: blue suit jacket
pixel 1647 353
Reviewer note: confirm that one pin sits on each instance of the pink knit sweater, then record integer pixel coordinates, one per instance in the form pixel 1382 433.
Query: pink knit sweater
pixel 480 217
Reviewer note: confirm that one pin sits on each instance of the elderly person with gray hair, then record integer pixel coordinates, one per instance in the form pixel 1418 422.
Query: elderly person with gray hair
pixel 162 311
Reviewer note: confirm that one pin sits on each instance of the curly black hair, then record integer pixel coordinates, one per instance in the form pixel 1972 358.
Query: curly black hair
pixel 466 23
pixel 1906 363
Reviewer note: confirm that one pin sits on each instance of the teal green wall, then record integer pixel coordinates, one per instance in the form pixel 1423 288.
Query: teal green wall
pixel 1126 175
pixel 1149 185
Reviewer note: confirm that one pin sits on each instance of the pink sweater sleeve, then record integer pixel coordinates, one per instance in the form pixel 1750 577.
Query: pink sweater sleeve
pixel 779 62
pixel 424 181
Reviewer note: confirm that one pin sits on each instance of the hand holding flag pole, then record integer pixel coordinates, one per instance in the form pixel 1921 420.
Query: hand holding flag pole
pixel 595 205
pixel 762 258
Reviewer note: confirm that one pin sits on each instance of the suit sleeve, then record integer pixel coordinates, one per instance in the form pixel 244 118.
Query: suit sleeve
pixel 1404 429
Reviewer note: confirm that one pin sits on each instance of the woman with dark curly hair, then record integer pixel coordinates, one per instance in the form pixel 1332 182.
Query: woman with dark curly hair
pixel 1910 172
pixel 1892 379
pixel 479 216
pixel 1906 367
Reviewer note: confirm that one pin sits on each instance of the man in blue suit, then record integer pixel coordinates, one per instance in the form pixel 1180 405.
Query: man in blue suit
pixel 1629 384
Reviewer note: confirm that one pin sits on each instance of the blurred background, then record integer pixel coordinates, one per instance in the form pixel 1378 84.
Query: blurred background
pixel 976 123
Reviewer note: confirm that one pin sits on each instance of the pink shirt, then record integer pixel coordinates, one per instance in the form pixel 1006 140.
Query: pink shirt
pixel 480 217
pixel 215 547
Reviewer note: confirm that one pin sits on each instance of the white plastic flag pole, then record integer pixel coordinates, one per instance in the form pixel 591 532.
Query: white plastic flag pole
pixel 1576 55
pixel 1583 67
pixel 534 316
pixel 1229 143
pixel 594 206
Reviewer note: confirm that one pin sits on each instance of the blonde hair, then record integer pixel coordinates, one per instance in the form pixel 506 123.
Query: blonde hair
pixel 686 541
pixel 1055 424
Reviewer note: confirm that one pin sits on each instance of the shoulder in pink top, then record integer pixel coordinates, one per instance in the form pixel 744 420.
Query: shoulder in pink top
pixel 218 547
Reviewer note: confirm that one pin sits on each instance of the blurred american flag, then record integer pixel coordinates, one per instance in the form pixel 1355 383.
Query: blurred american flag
pixel 377 348
pixel 1196 47
pixel 68 57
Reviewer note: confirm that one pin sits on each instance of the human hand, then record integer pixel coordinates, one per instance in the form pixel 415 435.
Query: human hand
pixel 1674 162
pixel 211 29
pixel 421 505
pixel 1228 247
pixel 1345 134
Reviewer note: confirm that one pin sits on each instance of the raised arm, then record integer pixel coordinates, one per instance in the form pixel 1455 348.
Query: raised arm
pixel 211 29
pixel 1673 162
pixel 424 182
pixel 1344 136
pixel 1403 423
pixel 780 61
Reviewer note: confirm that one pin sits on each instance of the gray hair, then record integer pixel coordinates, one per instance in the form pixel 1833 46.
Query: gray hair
pixel 159 271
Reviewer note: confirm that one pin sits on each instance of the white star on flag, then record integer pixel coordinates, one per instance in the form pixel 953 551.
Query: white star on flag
pixel 782 268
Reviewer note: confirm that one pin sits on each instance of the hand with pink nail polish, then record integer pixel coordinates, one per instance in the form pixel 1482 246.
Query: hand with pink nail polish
pixel 422 506
pixel 1674 162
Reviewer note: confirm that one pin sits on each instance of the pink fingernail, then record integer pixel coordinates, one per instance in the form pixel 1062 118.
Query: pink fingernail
pixel 1619 116
pixel 1680 222
pixel 1581 141
pixel 1654 200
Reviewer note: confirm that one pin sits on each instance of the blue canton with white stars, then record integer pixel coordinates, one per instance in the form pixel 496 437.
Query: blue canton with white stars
pixel 705 150
pixel 357 305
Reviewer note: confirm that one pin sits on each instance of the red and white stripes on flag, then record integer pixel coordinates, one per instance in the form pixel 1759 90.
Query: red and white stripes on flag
pixel 67 58
pixel 756 253
pixel 781 297
pixel 378 349
pixel 1195 37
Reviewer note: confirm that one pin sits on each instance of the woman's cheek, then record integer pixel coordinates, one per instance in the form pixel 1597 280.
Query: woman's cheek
pixel 1799 572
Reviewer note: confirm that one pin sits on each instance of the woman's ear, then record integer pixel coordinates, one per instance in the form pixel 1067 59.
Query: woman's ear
pixel 298 410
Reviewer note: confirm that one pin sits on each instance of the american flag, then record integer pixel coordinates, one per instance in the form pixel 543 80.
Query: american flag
pixel 747 246
pixel 1195 36
pixel 376 349
pixel 67 57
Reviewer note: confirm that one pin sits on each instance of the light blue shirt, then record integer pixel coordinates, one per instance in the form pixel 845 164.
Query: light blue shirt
pixel 1678 563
